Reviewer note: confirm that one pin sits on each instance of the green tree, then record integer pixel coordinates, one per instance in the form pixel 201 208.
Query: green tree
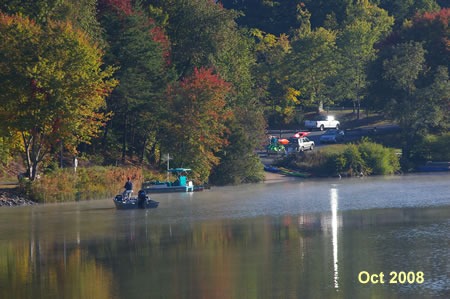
pixel 140 49
pixel 365 25
pixel 430 29
pixel 197 30
pixel 405 9
pixel 311 64
pixel 204 34
pixel 52 85
pixel 235 62
pixel 274 17
pixel 238 161
pixel 81 13
pixel 412 95
pixel 271 82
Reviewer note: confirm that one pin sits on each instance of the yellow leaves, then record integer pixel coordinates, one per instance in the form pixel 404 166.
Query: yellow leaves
pixel 59 86
pixel 257 33
pixel 407 24
pixel 269 41
pixel 291 95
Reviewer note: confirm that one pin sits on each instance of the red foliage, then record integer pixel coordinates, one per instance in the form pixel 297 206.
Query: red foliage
pixel 125 8
pixel 205 77
pixel 435 24
pixel 429 26
pixel 441 16
pixel 198 103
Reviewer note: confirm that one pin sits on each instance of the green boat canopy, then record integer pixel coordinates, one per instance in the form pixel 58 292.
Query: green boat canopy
pixel 179 169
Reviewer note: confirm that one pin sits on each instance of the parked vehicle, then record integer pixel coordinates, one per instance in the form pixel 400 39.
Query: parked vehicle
pixel 332 136
pixel 301 134
pixel 324 122
pixel 301 144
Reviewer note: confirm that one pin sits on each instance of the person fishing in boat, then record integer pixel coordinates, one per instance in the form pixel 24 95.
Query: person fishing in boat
pixel 128 189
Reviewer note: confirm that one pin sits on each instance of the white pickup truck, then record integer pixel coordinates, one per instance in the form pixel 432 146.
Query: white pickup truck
pixel 324 122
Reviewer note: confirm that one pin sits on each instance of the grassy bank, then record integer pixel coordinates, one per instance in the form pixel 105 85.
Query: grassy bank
pixel 88 183
pixel 346 159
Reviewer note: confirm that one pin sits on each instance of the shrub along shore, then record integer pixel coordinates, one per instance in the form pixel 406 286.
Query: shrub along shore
pixel 97 182
pixel 87 183
pixel 365 158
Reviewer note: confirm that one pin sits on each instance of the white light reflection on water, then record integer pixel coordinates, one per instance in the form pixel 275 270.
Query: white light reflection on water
pixel 334 229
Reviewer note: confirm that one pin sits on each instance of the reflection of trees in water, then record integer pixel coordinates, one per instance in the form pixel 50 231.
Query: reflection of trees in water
pixel 47 266
pixel 272 256
pixel 42 269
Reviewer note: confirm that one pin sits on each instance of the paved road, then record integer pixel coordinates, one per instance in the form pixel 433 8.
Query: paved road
pixel 350 135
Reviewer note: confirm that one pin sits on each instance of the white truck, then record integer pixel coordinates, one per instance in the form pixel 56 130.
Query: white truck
pixel 324 122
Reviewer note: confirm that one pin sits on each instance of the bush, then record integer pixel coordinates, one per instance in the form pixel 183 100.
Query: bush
pixel 87 183
pixel 320 162
pixel 432 148
pixel 378 159
pixel 353 163
pixel 367 158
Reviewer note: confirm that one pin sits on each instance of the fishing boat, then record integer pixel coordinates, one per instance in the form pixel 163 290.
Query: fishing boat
pixel 179 185
pixel 141 202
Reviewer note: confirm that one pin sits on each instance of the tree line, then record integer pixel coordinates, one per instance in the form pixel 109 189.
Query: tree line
pixel 130 80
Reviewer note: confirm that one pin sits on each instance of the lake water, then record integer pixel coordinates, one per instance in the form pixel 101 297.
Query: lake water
pixel 294 239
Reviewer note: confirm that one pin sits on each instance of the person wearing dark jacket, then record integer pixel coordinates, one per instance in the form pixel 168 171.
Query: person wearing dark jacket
pixel 128 189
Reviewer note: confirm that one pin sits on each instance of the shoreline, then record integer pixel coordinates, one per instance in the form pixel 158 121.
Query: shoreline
pixel 11 197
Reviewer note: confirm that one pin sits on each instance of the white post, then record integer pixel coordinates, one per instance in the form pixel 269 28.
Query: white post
pixel 75 164
pixel 168 158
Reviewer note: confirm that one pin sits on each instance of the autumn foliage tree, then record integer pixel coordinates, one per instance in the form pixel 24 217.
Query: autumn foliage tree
pixel 196 123
pixel 53 85
pixel 411 81
pixel 141 51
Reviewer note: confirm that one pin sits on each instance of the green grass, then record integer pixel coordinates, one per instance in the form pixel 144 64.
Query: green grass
pixel 332 149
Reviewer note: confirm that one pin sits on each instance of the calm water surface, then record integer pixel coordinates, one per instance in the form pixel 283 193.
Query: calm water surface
pixel 295 239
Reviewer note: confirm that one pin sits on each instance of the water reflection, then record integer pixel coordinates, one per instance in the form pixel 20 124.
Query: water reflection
pixel 88 251
pixel 334 226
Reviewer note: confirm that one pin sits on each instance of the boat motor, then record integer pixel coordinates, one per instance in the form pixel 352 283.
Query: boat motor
pixel 142 197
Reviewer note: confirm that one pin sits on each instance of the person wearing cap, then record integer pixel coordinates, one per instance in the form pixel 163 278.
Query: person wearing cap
pixel 128 189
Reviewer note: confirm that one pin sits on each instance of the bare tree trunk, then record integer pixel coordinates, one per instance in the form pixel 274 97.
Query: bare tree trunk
pixel 34 171
pixel 320 107
pixel 354 107
pixel 29 164
pixel 26 144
